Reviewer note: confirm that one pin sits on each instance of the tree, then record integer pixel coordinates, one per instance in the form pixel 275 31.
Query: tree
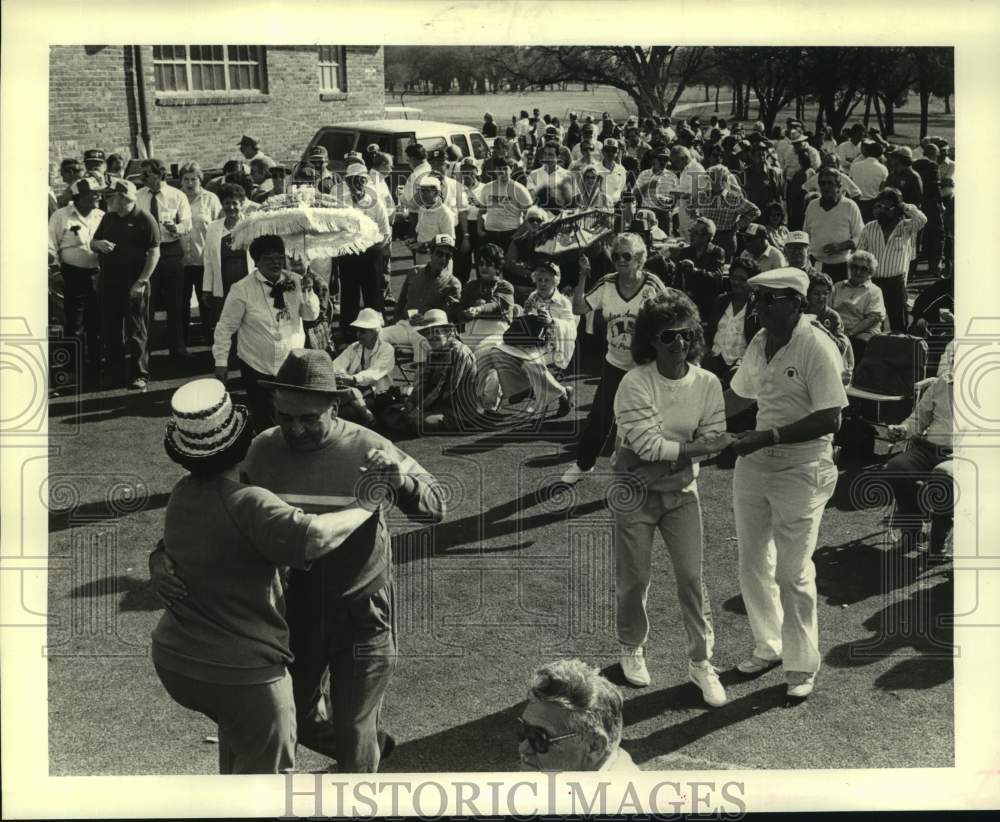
pixel 769 72
pixel 935 68
pixel 836 77
pixel 653 76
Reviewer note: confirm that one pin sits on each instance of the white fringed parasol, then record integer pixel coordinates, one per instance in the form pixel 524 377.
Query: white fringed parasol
pixel 313 225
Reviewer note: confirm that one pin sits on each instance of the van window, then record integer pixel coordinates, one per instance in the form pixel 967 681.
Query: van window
pixel 460 141
pixel 430 143
pixel 337 143
pixel 479 148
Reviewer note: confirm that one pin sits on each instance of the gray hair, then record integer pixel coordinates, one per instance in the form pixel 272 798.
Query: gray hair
pixel 635 244
pixel 870 258
pixel 595 703
pixel 191 168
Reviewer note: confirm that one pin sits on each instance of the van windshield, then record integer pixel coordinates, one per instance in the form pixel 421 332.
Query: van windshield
pixel 337 144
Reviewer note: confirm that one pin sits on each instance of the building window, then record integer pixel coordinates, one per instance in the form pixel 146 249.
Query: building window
pixel 179 69
pixel 332 69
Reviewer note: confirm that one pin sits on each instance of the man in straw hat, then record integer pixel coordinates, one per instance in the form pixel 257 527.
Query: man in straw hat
pixel 223 649
pixel 340 611
pixel 785 473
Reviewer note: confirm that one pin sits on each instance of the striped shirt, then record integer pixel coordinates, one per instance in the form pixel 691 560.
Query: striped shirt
pixel 726 209
pixel 895 252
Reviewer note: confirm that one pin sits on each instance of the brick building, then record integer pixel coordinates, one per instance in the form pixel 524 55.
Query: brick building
pixel 195 102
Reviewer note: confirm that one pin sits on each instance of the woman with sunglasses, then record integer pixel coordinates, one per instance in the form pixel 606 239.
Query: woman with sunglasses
pixel 619 296
pixel 520 260
pixel 572 722
pixel 670 414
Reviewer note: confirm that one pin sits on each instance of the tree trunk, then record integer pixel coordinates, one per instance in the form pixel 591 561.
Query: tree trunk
pixel 947 104
pixel 868 109
pixel 925 99
pixel 708 94
pixel 736 104
pixel 747 106
pixel 878 114
pixel 888 104
pixel 717 100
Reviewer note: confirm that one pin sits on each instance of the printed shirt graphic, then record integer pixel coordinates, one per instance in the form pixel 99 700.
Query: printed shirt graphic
pixel 620 314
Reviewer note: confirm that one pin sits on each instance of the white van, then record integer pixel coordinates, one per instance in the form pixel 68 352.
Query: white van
pixel 392 137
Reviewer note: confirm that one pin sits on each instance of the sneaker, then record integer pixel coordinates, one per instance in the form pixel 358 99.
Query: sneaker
pixel 138 384
pixel 800 684
pixel 757 665
pixel 575 473
pixel 633 663
pixel 704 675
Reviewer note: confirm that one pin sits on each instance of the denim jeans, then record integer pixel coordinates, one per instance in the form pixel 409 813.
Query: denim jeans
pixel 124 328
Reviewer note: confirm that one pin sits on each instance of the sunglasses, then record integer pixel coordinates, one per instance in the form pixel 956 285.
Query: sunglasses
pixel 668 335
pixel 625 256
pixel 538 738
pixel 767 298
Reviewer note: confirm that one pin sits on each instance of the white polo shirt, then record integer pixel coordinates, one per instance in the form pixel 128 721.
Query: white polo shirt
pixel 802 377
pixel 869 174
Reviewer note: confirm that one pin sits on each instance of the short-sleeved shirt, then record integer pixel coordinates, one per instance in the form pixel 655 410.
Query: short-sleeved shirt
pixel 620 314
pixel 505 205
pixel 133 235
pixel 855 302
pixel 227 541
pixel 804 376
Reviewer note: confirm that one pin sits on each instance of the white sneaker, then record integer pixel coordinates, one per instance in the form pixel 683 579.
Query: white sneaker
pixel 757 665
pixel 799 683
pixel 704 675
pixel 634 666
pixel 574 474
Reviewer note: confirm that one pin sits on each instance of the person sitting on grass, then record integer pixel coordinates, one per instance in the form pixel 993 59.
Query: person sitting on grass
pixel 487 303
pixel 365 367
pixel 521 257
pixel 431 286
pixel 859 303
pixel 572 722
pixel 444 395
pixel 547 300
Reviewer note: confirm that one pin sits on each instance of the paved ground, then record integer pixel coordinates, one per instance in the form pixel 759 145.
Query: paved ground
pixel 520 573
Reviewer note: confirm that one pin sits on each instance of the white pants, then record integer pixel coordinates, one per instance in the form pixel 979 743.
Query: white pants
pixel 404 334
pixel 778 500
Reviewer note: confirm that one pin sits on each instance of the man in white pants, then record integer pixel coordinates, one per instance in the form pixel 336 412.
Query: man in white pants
pixel 785 474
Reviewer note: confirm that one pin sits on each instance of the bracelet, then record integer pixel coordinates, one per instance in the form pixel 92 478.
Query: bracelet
pixel 775 436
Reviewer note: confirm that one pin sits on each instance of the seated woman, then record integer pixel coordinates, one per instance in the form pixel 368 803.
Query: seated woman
pixel 518 367
pixel 697 269
pixel 859 302
pixel 732 323
pixel 221 648
pixel 817 304
pixel 444 395
pixel 521 256
pixel 487 303
pixel 930 429
pixel 365 367
pixel 775 224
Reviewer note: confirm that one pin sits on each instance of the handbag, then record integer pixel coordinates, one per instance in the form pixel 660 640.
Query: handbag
pixel 527 331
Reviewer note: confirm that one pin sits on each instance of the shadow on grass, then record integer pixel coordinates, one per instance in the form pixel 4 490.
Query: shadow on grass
pixel 136 594
pixel 93 513
pixel 854 571
pixel 467 533
pixel 918 629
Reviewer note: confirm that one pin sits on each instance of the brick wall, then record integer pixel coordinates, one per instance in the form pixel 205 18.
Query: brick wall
pixel 90 93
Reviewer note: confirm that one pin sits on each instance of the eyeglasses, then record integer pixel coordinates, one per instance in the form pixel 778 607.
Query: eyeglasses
pixel 624 256
pixel 538 738
pixel 863 268
pixel 766 298
pixel 668 335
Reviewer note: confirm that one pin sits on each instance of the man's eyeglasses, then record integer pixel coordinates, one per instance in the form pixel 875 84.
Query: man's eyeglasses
pixel 668 335
pixel 767 298
pixel 538 738
pixel 624 256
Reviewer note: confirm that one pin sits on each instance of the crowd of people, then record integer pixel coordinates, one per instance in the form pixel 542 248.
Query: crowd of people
pixel 733 285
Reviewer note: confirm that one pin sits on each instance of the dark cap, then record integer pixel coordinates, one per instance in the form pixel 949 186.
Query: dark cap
pixel 436 154
pixel 248 140
pixel 93 155
pixel 86 185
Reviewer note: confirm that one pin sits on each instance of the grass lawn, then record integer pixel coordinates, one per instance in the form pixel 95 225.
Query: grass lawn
pixel 520 573
pixel 468 109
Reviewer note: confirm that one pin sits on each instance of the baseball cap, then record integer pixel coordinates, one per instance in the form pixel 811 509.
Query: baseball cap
pixel 356 170
pixel 548 266
pixel 94 155
pixel 318 153
pixel 124 187
pixel 754 230
pixel 429 181
pixel 797 238
pixel 85 185
pixel 444 240
pixel 436 154
pixel 611 144
pixel 248 140
pixel 372 148
pixel 794 278
pixel 468 164
pixel 796 136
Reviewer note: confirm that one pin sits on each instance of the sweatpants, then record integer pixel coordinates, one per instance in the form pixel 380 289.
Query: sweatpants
pixel 677 516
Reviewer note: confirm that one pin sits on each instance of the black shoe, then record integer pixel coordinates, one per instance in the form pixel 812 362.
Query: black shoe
pixel 514 399
pixel 565 404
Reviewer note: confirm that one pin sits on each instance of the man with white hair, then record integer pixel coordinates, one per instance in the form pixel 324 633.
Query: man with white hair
pixel 687 170
pixel 784 474
pixel 572 722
